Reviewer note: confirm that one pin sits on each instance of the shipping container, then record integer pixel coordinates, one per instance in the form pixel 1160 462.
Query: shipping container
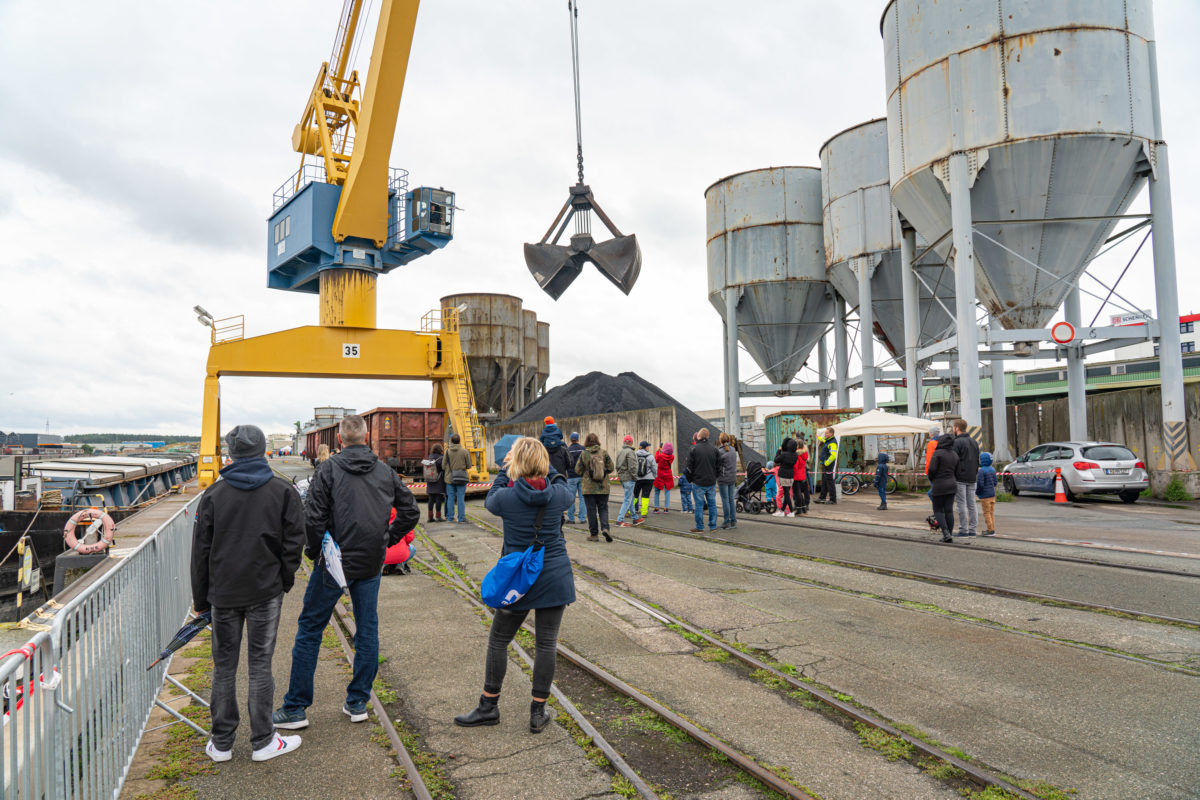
pixel 401 437
pixel 808 422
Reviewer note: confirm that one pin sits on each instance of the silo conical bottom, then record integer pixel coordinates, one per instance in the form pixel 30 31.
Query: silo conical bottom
pixel 887 300
pixel 1071 176
pixel 779 322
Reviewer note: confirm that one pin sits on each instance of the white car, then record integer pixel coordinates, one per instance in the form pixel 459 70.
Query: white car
pixel 1087 468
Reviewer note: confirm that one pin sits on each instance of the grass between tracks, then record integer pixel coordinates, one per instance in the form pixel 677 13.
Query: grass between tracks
pixel 629 727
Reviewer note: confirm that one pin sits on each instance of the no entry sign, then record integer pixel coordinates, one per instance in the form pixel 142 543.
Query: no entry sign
pixel 1062 332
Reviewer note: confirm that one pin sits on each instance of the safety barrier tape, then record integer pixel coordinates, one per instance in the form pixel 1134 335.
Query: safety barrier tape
pixel 469 485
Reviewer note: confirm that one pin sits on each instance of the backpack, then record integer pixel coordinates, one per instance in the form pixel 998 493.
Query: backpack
pixel 429 470
pixel 644 469
pixel 596 466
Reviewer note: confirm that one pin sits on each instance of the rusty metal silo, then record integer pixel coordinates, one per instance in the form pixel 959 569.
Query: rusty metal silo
pixel 861 229
pixel 491 328
pixel 766 271
pixel 1018 133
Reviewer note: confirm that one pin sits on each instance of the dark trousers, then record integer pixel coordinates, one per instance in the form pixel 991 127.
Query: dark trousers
pixel 436 502
pixel 320 598
pixel 943 510
pixel 784 502
pixel 597 513
pixel 828 488
pixel 801 494
pixel 261 623
pixel 504 627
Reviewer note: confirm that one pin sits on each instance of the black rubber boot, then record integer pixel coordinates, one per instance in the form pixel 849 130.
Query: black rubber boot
pixel 486 713
pixel 539 718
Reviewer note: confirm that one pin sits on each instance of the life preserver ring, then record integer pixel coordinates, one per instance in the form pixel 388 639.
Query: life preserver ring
pixel 91 516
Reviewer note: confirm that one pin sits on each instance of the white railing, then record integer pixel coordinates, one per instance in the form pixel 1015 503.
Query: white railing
pixel 78 695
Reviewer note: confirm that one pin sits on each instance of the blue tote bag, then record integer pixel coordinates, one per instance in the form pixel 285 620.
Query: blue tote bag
pixel 515 573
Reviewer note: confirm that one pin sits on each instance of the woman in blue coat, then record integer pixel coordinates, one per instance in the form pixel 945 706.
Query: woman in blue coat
pixel 525 489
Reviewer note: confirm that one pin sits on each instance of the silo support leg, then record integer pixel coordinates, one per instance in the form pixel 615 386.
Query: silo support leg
pixel 1076 375
pixel 912 321
pixel 1000 450
pixel 841 352
pixel 1175 455
pixel 823 370
pixel 964 290
pixel 733 411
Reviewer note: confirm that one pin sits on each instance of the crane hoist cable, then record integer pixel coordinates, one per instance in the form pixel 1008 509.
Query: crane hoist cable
pixel 555 266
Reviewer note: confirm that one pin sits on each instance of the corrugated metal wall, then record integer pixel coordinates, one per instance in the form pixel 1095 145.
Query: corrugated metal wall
pixel 1132 417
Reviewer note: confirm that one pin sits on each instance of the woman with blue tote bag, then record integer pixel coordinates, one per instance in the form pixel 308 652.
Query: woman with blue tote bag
pixel 531 501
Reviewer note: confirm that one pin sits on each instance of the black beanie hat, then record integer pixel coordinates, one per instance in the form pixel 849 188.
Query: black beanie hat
pixel 246 441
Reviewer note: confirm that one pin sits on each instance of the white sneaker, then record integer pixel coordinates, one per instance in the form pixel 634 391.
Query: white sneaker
pixel 277 747
pixel 790 514
pixel 777 514
pixel 215 754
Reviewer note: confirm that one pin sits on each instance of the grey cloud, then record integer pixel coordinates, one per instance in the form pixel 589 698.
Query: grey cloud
pixel 162 200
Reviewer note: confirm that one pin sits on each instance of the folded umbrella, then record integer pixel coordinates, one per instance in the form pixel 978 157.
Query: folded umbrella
pixel 185 635
pixel 332 556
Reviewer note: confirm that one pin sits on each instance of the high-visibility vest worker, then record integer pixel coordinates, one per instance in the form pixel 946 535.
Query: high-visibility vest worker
pixel 829 452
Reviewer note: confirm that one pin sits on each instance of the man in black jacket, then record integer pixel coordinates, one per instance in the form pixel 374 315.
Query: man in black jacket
pixel 351 496
pixel 967 450
pixel 245 550
pixel 701 471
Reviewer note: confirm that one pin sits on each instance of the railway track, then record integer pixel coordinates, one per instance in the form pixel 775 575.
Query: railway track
pixel 343 626
pixel 467 588
pixel 976 774
pixel 946 580
pixel 1150 662
pixel 809 524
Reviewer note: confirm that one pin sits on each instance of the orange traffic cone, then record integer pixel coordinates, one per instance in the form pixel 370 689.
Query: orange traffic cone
pixel 1060 496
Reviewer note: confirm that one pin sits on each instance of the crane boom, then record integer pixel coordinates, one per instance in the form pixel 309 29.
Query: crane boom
pixel 362 209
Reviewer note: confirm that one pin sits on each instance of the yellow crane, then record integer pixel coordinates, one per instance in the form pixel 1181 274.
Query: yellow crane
pixel 337 225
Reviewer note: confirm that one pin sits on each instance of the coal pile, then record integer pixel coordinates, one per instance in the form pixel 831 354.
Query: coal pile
pixel 598 393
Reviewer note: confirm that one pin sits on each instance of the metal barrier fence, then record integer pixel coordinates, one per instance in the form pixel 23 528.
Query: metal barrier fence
pixel 77 696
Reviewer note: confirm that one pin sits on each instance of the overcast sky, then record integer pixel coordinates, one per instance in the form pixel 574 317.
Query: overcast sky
pixel 142 141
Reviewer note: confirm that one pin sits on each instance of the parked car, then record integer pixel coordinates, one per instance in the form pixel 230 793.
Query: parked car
pixel 1087 468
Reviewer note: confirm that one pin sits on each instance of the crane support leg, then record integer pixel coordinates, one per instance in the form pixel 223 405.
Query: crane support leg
pixel 210 432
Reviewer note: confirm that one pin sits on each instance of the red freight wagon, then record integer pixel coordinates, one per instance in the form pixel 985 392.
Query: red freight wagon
pixel 401 437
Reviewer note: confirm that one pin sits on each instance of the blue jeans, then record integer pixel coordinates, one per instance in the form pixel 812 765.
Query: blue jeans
pixel 576 487
pixel 702 495
pixel 319 600
pixel 666 498
pixel 627 502
pixel 456 494
pixel 728 503
pixel 685 498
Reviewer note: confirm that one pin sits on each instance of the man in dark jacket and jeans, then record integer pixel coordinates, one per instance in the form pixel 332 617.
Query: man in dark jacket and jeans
pixel 701 471
pixel 245 550
pixel 351 496
pixel 965 474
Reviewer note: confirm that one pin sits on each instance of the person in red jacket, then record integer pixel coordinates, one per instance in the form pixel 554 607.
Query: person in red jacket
pixel 664 479
pixel 396 557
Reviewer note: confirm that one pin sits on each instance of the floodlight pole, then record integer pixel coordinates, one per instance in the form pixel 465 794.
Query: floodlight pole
pixel 1076 374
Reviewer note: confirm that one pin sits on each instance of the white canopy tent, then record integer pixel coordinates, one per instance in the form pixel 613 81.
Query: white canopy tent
pixel 881 423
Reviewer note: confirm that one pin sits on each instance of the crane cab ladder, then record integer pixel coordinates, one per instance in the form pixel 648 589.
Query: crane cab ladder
pixel 446 321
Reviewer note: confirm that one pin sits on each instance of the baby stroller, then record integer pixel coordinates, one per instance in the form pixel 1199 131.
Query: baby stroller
pixel 749 491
